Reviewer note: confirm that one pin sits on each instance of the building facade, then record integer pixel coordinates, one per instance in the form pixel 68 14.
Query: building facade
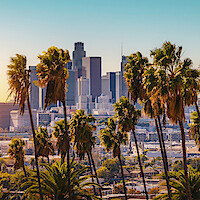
pixel 92 66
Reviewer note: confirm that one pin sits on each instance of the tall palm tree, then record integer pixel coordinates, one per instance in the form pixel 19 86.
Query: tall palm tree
pixel 168 58
pixel 55 183
pixel 112 139
pixel 82 136
pixel 17 153
pixel 133 73
pixel 44 144
pixel 18 80
pixel 154 106
pixel 59 134
pixel 53 75
pixel 127 118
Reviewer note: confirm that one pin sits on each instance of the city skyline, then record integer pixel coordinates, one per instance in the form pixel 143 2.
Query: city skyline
pixel 29 28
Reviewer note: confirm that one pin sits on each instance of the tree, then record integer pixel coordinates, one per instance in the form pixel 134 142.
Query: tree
pixel 112 140
pixel 194 128
pixel 179 186
pixel 54 182
pixel 53 75
pixel 17 153
pixel 81 129
pixel 127 118
pixel 18 80
pixel 44 145
pixel 154 82
pixel 168 59
pixel 61 143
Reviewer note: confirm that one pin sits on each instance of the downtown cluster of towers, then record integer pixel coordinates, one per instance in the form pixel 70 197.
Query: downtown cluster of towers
pixel 85 82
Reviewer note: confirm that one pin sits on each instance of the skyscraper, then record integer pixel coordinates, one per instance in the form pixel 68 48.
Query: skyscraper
pixel 118 85
pixel 124 85
pixel 108 84
pixel 92 65
pixel 70 94
pixel 34 90
pixel 78 54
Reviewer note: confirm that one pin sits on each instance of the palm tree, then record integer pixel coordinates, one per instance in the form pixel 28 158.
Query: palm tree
pixel 54 182
pixel 53 75
pixel 127 118
pixel 62 143
pixel 154 106
pixel 168 58
pixel 18 80
pixel 112 139
pixel 44 145
pixel 194 128
pixel 82 136
pixel 179 186
pixel 17 153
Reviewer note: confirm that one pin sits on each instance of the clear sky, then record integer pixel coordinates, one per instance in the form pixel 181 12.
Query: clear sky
pixel 30 26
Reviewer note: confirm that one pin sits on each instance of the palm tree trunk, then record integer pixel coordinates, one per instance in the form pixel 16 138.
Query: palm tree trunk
pixel 91 172
pixel 68 155
pixel 138 154
pixel 24 171
pixel 95 171
pixel 188 191
pixel 164 158
pixel 35 146
pixel 163 143
pixel 122 171
pixel 197 109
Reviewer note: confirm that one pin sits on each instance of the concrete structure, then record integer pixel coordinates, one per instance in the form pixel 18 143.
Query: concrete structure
pixel 78 54
pixel 22 123
pixel 5 109
pixel 92 65
pixel 84 100
pixel 34 90
pixel 118 78
pixel 70 94
pixel 108 85
pixel 103 106
pixel 124 85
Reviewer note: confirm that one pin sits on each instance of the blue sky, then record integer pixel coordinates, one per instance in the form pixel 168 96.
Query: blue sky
pixel 29 27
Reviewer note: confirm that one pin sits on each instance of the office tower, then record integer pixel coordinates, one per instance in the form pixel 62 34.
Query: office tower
pixel 108 84
pixel 124 85
pixel 118 85
pixel 70 94
pixel 84 100
pixel 5 109
pixel 105 90
pixel 92 65
pixel 34 90
pixel 78 54
pixel 69 65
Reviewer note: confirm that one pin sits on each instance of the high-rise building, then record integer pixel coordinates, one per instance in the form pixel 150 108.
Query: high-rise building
pixel 108 84
pixel 78 54
pixel 84 100
pixel 5 109
pixel 70 94
pixel 124 85
pixel 92 65
pixel 34 90
pixel 118 85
